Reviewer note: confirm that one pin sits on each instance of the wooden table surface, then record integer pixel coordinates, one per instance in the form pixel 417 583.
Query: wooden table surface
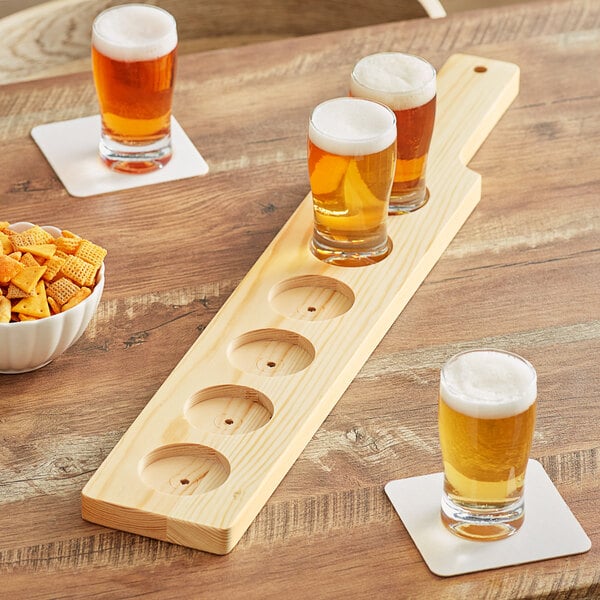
pixel 522 274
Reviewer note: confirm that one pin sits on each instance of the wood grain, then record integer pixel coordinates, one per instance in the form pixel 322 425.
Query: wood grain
pixel 53 38
pixel 8 7
pixel 522 274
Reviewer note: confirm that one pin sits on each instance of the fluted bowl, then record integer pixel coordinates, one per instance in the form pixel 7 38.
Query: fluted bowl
pixel 29 345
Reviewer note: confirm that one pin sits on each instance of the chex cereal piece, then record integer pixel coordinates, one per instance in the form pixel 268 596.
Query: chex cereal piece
pixel 14 292
pixel 9 267
pixel 69 234
pixel 41 236
pixel 27 260
pixel 68 245
pixel 32 236
pixel 28 278
pixel 79 271
pixel 80 296
pixel 62 290
pixel 91 253
pixel 5 308
pixel 53 266
pixel 53 304
pixel 20 239
pixel 34 306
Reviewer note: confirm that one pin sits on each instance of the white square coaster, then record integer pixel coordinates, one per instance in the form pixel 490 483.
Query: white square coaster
pixel 550 529
pixel 71 148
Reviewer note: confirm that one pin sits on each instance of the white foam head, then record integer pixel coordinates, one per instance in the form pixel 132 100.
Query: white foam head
pixel 133 32
pixel 399 80
pixel 488 384
pixel 352 126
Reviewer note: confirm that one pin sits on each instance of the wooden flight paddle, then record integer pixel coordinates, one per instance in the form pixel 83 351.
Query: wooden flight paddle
pixel 219 435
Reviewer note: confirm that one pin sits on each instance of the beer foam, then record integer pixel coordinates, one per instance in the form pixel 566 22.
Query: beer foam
pixel 399 80
pixel 352 126
pixel 134 32
pixel 488 384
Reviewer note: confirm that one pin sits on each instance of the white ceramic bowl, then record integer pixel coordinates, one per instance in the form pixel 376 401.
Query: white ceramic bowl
pixel 29 345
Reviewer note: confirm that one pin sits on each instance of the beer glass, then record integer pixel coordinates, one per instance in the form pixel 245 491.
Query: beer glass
pixel 487 405
pixel 351 158
pixel 134 49
pixel 407 84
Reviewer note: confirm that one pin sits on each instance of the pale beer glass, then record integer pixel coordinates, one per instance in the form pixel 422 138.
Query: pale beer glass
pixel 407 84
pixel 134 50
pixel 487 406
pixel 351 158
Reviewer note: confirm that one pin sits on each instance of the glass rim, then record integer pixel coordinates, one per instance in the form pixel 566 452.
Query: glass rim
pixel 412 90
pixel 358 141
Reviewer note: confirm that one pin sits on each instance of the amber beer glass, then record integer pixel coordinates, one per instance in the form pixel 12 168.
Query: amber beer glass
pixel 351 159
pixel 134 49
pixel 487 405
pixel 407 84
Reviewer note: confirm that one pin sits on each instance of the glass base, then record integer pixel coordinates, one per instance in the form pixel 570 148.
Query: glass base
pixel 408 203
pixel 349 256
pixel 135 158
pixel 484 522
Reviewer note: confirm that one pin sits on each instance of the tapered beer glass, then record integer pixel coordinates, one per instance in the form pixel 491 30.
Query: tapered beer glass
pixel 134 49
pixel 407 84
pixel 487 406
pixel 351 159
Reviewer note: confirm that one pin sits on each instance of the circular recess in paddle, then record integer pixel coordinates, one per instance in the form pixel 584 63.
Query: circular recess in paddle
pixel 271 352
pixel 184 469
pixel 228 409
pixel 311 298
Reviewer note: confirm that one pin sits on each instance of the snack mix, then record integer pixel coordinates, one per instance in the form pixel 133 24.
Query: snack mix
pixel 41 275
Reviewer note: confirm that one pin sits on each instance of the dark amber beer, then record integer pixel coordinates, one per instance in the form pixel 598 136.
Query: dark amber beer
pixel 351 158
pixel 487 406
pixel 407 84
pixel 134 48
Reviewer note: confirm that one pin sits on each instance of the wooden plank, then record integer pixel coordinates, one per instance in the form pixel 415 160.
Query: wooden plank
pixel 216 439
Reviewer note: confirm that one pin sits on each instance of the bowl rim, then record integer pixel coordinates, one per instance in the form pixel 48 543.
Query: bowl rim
pixel 98 287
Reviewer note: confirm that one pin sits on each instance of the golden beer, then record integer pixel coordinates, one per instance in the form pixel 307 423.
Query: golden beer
pixel 351 161
pixel 486 422
pixel 134 49
pixel 407 84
